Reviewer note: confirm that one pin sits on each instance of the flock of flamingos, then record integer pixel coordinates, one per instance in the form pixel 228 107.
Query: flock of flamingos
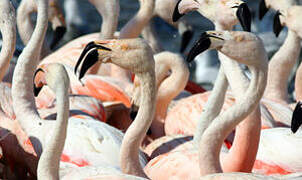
pixel 103 106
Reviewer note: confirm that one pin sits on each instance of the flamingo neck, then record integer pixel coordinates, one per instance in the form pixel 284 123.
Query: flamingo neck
pixel 129 153
pixel 22 83
pixel 150 35
pixel 212 107
pixel 213 137
pixel 135 26
pixel 48 166
pixel 25 24
pixel 280 67
pixel 169 87
pixel 109 11
pixel 8 31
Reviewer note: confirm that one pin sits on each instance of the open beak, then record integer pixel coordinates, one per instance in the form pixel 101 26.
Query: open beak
pixel 262 9
pixel 296 119
pixel 244 16
pixel 90 56
pixel 58 35
pixel 185 39
pixel 37 87
pixel 277 27
pixel 201 45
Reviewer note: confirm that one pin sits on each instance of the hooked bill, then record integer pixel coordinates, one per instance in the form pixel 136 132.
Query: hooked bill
pixel 244 16
pixel 277 26
pixel 262 9
pixel 176 15
pixel 37 89
pixel 202 44
pixel 90 59
pixel 296 118
pixel 58 35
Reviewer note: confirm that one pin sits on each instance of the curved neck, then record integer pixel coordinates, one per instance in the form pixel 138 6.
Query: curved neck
pixel 151 36
pixel 25 24
pixel 215 134
pixel 169 87
pixel 49 162
pixel 109 11
pixel 135 26
pixel 8 31
pixel 22 83
pixel 280 67
pixel 129 153
pixel 298 87
pixel 212 107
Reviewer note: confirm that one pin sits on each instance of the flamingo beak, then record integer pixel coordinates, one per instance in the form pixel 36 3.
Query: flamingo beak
pixel 58 35
pixel 202 44
pixel 296 118
pixel 186 38
pixel 37 87
pixel 90 53
pixel 262 9
pixel 244 16
pixel 277 26
pixel 182 7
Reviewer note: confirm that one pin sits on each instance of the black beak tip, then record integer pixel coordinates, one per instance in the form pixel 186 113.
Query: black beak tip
pixel 90 60
pixel 176 15
pixel 296 118
pixel 244 16
pixel 277 27
pixel 200 46
pixel 37 90
pixel 58 35
pixel 186 38
pixel 262 9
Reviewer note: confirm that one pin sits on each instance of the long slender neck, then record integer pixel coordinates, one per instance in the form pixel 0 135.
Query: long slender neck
pixel 109 11
pixel 280 67
pixel 48 167
pixel 298 87
pixel 22 84
pixel 8 31
pixel 212 107
pixel 135 26
pixel 25 24
pixel 247 132
pixel 215 134
pixel 169 87
pixel 151 36
pixel 129 158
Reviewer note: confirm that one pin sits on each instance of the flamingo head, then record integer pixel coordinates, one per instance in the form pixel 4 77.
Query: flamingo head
pixel 223 12
pixel 131 54
pixel 47 74
pixel 243 47
pixel 57 20
pixel 290 18
pixel 265 5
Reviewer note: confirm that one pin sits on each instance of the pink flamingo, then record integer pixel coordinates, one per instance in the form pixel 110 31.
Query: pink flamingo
pixel 26 28
pixel 32 136
pixel 214 131
pixel 138 58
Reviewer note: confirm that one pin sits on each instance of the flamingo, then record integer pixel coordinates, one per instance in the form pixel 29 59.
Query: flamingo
pixel 177 115
pixel 164 10
pixel 31 131
pixel 275 98
pixel 137 57
pixel 25 25
pixel 215 130
pixel 167 87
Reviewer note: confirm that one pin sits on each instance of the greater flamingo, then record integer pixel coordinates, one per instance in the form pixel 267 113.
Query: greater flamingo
pixel 26 27
pixel 34 132
pixel 138 57
pixel 214 131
